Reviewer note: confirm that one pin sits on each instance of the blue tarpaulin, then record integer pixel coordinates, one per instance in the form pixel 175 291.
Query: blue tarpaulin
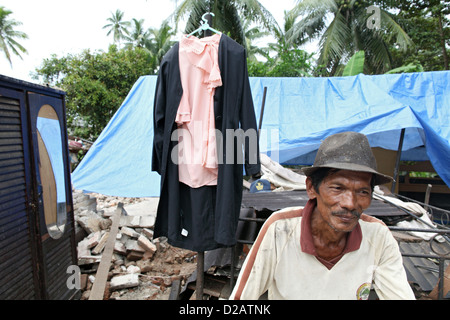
pixel 299 113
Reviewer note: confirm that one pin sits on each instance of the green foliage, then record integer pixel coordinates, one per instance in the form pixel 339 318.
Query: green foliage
pixel 96 84
pixel 342 29
pixel 292 63
pixel 355 65
pixel 410 67
pixel 427 23
pixel 229 16
pixel 117 26
pixel 9 34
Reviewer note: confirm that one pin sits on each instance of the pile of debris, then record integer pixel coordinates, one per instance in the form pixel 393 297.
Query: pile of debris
pixel 140 268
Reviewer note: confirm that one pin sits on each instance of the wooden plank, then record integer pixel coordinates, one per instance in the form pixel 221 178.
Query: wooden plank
pixel 98 288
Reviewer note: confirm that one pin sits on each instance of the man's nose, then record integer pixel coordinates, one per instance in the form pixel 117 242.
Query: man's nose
pixel 348 200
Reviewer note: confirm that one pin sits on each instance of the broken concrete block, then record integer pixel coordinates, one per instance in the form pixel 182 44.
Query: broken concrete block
pixel 124 281
pixel 88 203
pixel 148 233
pixel 134 245
pixel 123 238
pixel 133 269
pixel 134 255
pixel 118 259
pixel 120 248
pixel 93 239
pixel 90 221
pixel 101 244
pixel 105 224
pixel 129 232
pixel 135 221
pixel 146 244
pixel 129 221
pixel 147 221
pixel 82 248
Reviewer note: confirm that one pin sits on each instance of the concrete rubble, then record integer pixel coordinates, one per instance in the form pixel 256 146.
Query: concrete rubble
pixel 141 267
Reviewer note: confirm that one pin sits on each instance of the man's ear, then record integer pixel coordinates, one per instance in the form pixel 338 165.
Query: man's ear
pixel 312 194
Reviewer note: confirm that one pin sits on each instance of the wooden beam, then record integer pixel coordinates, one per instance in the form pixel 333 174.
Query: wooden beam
pixel 101 277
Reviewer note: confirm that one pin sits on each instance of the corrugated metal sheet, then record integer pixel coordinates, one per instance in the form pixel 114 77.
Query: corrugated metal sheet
pixel 423 271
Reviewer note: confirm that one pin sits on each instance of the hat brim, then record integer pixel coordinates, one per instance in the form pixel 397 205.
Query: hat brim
pixel 379 177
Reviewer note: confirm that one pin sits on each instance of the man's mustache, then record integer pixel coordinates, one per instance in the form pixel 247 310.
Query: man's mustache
pixel 346 212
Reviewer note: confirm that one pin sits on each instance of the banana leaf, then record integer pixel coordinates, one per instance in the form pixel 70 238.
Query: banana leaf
pixel 355 65
pixel 412 67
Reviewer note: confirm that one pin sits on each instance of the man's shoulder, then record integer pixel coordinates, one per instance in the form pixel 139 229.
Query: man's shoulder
pixel 374 229
pixel 286 215
pixel 285 221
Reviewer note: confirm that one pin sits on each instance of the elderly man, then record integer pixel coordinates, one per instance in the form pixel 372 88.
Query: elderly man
pixel 329 249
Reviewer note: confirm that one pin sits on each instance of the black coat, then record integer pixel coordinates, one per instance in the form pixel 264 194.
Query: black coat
pixel 233 109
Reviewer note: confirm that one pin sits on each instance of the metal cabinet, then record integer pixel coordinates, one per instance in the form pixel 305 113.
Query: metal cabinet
pixel 37 240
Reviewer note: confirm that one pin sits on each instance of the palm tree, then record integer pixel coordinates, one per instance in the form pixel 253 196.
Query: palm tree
pixel 117 27
pixel 160 41
pixel 228 16
pixel 282 45
pixel 253 33
pixel 348 32
pixel 8 35
pixel 285 58
pixel 138 37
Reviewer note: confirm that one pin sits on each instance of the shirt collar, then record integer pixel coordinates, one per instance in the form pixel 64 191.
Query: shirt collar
pixel 306 240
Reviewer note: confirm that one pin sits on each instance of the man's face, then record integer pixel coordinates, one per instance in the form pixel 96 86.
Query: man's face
pixel 342 198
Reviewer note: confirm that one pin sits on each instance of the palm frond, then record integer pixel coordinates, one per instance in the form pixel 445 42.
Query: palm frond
pixel 334 40
pixel 9 34
pixel 310 26
pixel 379 57
pixel 395 30
pixel 254 11
pixel 306 7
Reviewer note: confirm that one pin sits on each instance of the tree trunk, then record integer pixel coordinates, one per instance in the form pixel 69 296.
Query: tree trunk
pixel 442 38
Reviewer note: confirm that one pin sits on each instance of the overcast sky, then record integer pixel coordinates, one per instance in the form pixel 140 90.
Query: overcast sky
pixel 63 27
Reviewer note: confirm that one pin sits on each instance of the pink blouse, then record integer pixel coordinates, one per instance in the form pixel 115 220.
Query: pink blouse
pixel 200 75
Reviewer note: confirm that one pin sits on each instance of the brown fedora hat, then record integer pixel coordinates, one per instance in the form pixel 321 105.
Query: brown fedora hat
pixel 347 151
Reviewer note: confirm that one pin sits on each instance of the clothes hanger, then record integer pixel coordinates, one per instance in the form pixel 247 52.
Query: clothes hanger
pixel 204 26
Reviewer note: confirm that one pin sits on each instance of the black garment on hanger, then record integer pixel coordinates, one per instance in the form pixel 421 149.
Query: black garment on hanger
pixel 233 109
